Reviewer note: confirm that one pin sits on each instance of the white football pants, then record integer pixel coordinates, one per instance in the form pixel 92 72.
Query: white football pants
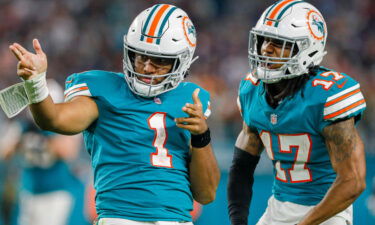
pixel 118 221
pixel 45 209
pixel 287 213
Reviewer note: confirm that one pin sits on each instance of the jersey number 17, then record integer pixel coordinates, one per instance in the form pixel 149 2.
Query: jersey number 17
pixel 299 172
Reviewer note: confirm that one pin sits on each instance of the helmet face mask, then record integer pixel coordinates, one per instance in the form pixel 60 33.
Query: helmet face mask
pixel 292 28
pixel 271 69
pixel 134 79
pixel 174 45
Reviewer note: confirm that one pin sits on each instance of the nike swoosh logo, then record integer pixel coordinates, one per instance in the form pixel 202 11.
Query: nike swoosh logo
pixel 342 84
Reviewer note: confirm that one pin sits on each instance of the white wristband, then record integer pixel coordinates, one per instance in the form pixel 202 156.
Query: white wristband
pixel 36 88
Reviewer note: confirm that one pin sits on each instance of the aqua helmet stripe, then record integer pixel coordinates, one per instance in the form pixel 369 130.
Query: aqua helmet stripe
pixel 163 24
pixel 148 21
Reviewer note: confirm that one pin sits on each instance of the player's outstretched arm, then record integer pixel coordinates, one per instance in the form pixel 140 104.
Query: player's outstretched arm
pixel 204 171
pixel 245 159
pixel 347 155
pixel 65 118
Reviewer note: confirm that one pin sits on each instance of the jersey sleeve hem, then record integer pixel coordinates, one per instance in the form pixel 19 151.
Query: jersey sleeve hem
pixel 77 90
pixel 344 104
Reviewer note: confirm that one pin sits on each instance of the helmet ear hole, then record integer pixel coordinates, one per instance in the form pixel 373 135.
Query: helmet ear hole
pixel 313 53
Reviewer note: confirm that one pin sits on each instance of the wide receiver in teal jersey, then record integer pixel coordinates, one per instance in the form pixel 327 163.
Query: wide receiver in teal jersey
pixel 304 116
pixel 145 129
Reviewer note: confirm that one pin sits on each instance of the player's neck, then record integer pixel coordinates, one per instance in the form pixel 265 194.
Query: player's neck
pixel 276 92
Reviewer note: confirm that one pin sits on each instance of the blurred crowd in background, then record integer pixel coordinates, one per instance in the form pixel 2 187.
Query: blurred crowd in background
pixel 80 35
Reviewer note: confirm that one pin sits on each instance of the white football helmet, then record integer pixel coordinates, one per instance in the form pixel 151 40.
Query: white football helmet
pixel 293 23
pixel 163 31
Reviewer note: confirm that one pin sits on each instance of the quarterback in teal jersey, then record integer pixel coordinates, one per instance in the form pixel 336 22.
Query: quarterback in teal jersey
pixel 145 129
pixel 304 116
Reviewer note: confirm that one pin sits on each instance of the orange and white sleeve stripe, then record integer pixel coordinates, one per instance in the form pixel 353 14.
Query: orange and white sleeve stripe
pixel 75 90
pixel 207 113
pixel 344 103
pixel 252 79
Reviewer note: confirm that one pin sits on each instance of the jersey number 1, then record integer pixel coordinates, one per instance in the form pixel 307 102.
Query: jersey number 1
pixel 299 172
pixel 161 158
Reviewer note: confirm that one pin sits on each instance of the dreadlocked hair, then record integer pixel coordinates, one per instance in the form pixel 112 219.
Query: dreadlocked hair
pixel 287 87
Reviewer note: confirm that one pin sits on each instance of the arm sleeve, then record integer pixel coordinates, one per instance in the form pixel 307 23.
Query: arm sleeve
pixel 240 185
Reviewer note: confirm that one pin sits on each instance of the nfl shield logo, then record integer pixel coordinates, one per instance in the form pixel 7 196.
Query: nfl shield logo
pixel 157 100
pixel 273 119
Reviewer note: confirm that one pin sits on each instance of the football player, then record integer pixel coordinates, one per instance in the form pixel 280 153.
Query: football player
pixel 48 182
pixel 304 116
pixel 145 129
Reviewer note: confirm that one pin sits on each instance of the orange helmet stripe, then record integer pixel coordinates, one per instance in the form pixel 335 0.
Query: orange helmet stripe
pixel 275 11
pixel 155 22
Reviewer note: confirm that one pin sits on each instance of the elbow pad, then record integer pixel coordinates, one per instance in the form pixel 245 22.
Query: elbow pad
pixel 240 185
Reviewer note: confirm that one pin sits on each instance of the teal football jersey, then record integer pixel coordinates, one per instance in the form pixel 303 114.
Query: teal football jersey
pixel 139 156
pixel 292 132
pixel 43 173
pixel 40 167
